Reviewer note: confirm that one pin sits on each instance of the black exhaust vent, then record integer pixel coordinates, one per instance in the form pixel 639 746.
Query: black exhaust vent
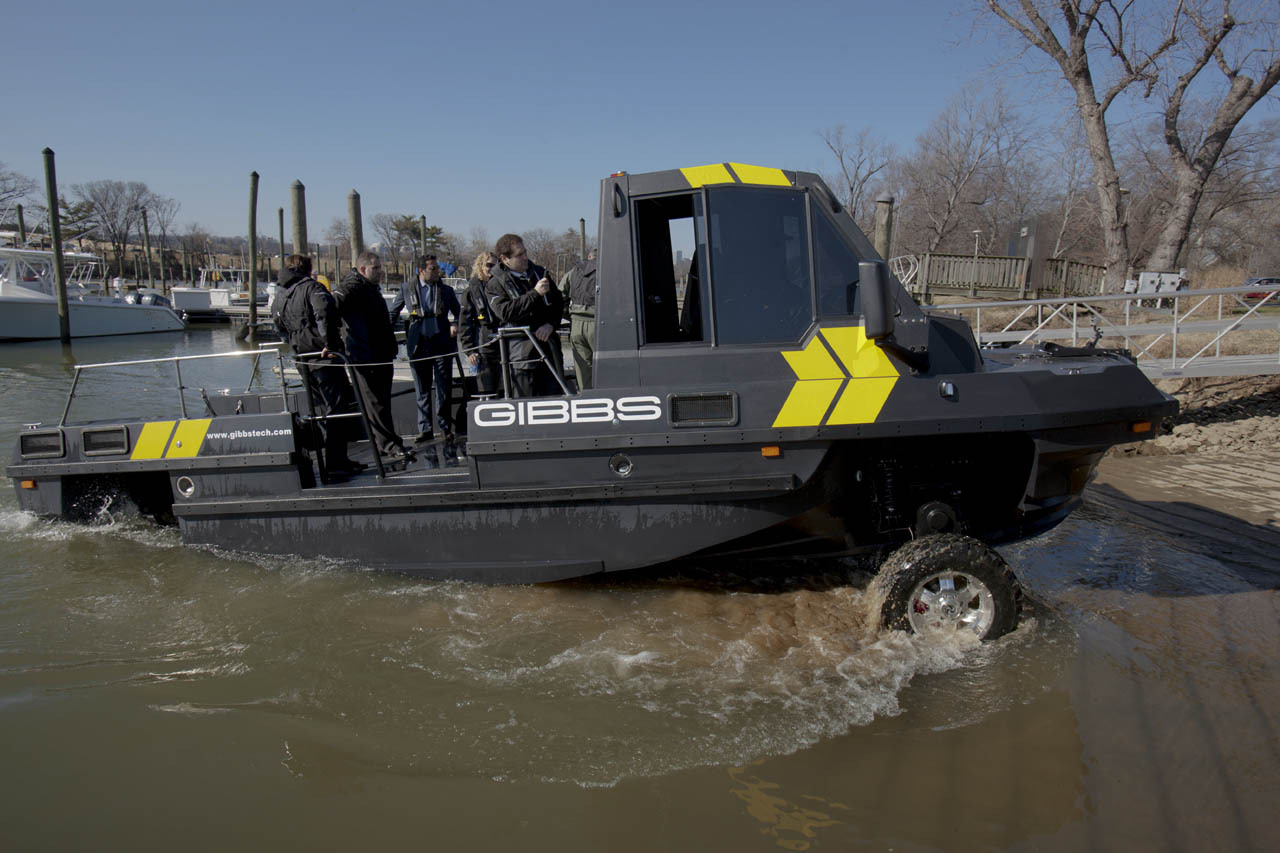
pixel 99 441
pixel 41 445
pixel 704 409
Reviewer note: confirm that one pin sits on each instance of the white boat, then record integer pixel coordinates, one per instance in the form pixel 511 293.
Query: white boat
pixel 218 290
pixel 29 302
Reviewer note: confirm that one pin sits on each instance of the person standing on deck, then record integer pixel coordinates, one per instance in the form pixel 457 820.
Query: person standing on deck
pixel 371 344
pixel 479 332
pixel 579 290
pixel 306 316
pixel 523 294
pixel 430 343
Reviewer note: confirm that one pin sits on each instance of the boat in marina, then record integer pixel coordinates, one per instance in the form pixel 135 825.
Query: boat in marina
pixel 779 396
pixel 29 303
pixel 217 293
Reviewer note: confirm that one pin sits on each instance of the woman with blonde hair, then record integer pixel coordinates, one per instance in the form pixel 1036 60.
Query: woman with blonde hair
pixel 478 334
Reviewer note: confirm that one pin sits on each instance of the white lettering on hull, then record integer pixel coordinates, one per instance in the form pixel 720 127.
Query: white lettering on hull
pixel 575 411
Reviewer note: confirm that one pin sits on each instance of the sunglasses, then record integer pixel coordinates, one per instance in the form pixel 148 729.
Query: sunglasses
pixel 489 266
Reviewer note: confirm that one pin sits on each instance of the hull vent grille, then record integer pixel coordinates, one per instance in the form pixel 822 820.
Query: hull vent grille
pixel 704 409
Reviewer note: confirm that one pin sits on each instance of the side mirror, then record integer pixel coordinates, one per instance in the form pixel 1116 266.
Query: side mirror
pixel 877 299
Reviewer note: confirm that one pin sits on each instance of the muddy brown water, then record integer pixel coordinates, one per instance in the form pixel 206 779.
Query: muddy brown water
pixel 155 697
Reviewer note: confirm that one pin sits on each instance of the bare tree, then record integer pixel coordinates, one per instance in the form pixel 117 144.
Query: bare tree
pixel 540 243
pixel 1073 214
pixel 959 164
pixel 339 234
pixel 1245 179
pixel 860 158
pixel 390 244
pixel 163 212
pixel 477 241
pixel 197 243
pixel 14 187
pixel 117 208
pixel 1105 48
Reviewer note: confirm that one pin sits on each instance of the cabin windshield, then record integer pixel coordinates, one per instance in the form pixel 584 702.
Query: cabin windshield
pixel 759 265
pixel 745 266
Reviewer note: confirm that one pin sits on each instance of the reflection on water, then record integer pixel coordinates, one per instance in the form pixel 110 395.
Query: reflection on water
pixel 145 686
pixel 791 825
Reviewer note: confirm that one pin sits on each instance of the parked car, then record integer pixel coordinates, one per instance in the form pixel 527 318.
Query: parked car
pixel 1264 281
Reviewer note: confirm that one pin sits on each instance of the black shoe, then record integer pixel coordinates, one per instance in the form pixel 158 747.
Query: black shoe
pixel 347 466
pixel 422 438
pixel 402 454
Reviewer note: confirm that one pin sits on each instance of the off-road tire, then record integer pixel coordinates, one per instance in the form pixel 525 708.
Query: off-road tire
pixel 902 576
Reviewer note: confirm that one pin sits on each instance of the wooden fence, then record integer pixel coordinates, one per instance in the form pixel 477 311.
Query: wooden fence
pixel 1003 277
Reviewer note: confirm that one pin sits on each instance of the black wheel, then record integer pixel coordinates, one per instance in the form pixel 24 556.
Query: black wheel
pixel 948 582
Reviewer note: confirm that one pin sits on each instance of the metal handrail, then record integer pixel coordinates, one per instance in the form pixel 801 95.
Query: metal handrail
pixel 1179 319
pixel 505 334
pixel 176 361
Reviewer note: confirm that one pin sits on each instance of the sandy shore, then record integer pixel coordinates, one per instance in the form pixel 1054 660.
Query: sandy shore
pixel 1219 454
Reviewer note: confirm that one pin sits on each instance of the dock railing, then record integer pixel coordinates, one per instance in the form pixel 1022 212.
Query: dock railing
pixel 1145 325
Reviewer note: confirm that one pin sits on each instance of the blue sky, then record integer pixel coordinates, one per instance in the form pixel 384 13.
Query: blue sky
pixel 498 115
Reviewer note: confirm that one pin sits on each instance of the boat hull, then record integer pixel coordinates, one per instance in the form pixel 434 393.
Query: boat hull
pixel 36 319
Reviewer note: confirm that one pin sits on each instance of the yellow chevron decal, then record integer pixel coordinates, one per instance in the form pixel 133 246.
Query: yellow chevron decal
pixel 188 438
pixel 861 357
pixel 808 402
pixel 814 362
pixel 760 175
pixel 699 176
pixel 717 173
pixel 151 443
pixel 819 378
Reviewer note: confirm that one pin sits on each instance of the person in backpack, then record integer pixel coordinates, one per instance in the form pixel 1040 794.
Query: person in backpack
pixel 306 316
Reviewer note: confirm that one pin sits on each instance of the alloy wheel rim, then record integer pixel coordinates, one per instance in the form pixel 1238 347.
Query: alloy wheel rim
pixel 951 600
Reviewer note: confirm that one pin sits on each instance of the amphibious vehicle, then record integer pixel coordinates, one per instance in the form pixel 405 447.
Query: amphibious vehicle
pixel 763 388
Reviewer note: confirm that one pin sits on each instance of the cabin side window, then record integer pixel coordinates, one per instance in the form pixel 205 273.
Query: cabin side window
pixel 671 236
pixel 759 265
pixel 836 267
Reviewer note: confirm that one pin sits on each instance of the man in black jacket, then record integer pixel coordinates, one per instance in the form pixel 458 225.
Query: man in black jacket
pixel 371 344
pixel 306 317
pixel 523 294
pixel 430 341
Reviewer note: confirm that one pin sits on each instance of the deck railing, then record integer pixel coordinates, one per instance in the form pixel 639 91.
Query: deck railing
pixel 1000 276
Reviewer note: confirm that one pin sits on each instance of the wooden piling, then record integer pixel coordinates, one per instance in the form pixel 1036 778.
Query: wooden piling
pixel 355 224
pixel 253 253
pixel 298 198
pixel 146 242
pixel 884 225
pixel 55 231
pixel 582 239
pixel 22 229
pixel 280 213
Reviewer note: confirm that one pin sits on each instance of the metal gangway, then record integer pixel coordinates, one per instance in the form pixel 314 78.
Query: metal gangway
pixel 1232 331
